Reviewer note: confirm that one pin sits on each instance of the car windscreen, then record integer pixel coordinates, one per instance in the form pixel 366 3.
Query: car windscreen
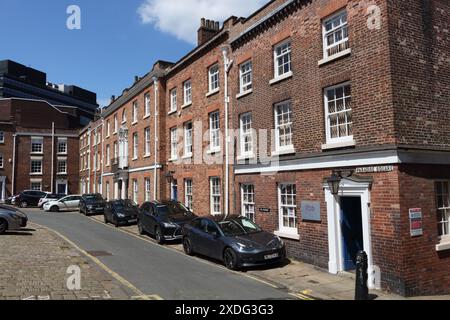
pixel 238 227
pixel 92 198
pixel 124 204
pixel 173 210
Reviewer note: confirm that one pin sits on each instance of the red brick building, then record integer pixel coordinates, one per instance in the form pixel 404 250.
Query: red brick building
pixel 38 147
pixel 338 140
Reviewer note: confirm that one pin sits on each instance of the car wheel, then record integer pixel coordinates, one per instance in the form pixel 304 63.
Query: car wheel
pixel 3 226
pixel 158 236
pixel 23 204
pixel 141 228
pixel 187 246
pixel 116 222
pixel 54 209
pixel 230 259
pixel 105 219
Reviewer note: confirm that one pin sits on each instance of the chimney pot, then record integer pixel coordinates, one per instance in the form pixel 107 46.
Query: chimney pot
pixel 217 26
pixel 203 22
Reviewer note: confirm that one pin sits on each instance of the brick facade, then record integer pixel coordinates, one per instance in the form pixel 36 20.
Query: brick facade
pixel 396 66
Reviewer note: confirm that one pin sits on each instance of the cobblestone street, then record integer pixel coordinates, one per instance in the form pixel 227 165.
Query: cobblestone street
pixel 34 265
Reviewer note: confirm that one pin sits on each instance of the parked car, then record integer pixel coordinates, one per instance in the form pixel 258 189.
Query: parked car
pixel 92 204
pixel 68 203
pixel 9 200
pixel 235 240
pixel 12 219
pixel 29 198
pixel 121 212
pixel 49 197
pixel 164 219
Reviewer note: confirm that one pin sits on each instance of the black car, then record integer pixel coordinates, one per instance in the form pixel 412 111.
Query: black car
pixel 29 198
pixel 92 204
pixel 237 241
pixel 121 212
pixel 164 219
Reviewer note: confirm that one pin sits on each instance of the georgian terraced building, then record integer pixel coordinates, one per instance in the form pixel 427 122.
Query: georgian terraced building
pixel 337 141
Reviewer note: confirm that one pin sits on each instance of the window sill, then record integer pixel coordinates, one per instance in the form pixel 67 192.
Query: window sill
pixel 186 105
pixel 337 145
pixel 281 78
pixel 283 152
pixel 293 236
pixel 134 123
pixel 36 174
pixel 147 156
pixel 213 151
pixel 146 117
pixel 37 153
pixel 173 159
pixel 171 112
pixel 62 154
pixel 246 157
pixel 444 245
pixel 134 159
pixel 243 94
pixel 211 93
pixel 114 133
pixel 124 122
pixel 188 156
pixel 339 55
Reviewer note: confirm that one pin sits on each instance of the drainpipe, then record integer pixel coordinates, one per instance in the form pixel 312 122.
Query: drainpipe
pixel 227 67
pixel 155 179
pixel 13 175
pixel 53 158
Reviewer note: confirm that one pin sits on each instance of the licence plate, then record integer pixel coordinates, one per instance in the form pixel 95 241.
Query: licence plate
pixel 271 256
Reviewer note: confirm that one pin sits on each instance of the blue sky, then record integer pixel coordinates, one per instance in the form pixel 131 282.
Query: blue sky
pixel 118 39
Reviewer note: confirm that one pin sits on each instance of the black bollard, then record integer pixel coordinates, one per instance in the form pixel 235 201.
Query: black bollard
pixel 361 289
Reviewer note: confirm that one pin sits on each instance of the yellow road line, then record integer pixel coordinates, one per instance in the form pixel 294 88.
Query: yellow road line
pixel 301 296
pixel 99 263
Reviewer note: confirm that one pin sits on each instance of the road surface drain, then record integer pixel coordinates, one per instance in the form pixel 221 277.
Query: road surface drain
pixel 99 253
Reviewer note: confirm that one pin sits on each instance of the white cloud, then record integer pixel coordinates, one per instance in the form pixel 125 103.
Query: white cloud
pixel 181 18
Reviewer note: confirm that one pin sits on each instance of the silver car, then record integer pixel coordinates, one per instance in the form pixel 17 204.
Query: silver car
pixel 12 219
pixel 69 203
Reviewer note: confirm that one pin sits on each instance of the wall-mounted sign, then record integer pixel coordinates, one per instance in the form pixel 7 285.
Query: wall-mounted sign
pixel 416 222
pixel 374 169
pixel 264 210
pixel 310 210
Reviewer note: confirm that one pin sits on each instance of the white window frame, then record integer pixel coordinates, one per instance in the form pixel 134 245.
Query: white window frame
pixel 107 187
pixel 283 229
pixel 108 128
pixel 245 72
pixel 124 116
pixel 135 190
pixel 173 101
pixel 215 197
pixel 188 139
pixel 444 223
pixel 1 161
pixel 147 146
pixel 278 127
pixel 116 151
pixel 188 193
pixel 37 141
pixel 344 41
pixel 147 187
pixel 173 144
pixel 214 131
pixel 248 208
pixel 214 78
pixel 277 56
pixel 147 105
pixel 340 139
pixel 36 183
pixel 187 96
pixel 116 124
pixel 62 141
pixel 135 112
pixel 2 137
pixel 31 167
pixel 108 155
pixel 243 134
pixel 60 161
pixel 135 146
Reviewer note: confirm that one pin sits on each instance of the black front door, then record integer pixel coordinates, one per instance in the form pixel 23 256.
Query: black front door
pixel 352 231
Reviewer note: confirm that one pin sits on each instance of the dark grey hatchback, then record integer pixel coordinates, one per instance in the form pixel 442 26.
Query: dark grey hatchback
pixel 235 240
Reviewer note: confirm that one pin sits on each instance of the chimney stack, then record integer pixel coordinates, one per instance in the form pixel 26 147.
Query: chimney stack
pixel 208 29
